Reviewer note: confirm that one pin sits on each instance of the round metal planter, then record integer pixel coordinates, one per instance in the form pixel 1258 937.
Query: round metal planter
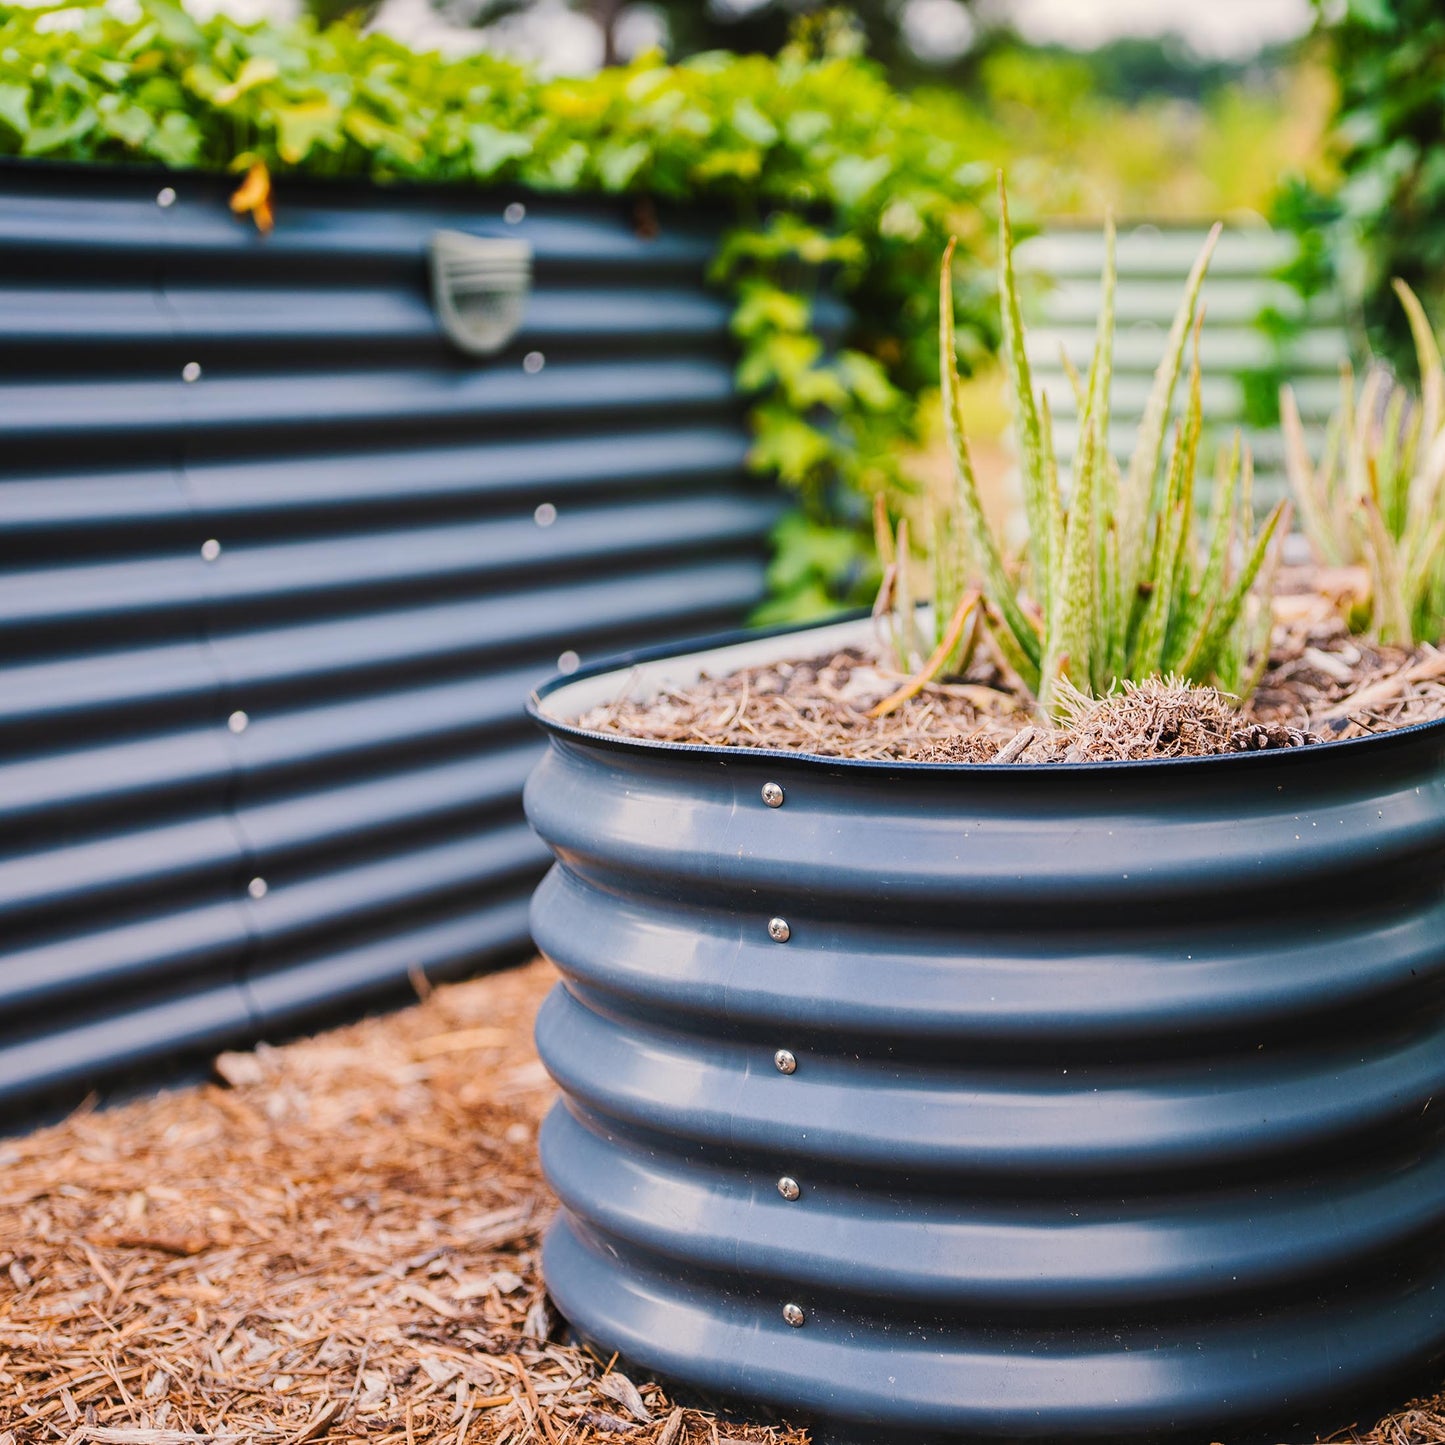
pixel 1051 1102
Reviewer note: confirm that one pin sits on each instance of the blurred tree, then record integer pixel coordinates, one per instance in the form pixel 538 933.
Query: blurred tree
pixel 914 39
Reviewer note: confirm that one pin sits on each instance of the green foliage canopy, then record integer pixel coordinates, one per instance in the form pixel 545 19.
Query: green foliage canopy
pixel 834 180
pixel 1389 59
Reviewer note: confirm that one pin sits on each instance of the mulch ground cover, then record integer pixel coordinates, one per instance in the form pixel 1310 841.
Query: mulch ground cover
pixel 337 1242
pixel 1320 685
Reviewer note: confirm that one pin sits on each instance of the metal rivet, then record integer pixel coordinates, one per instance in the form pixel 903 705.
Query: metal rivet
pixel 257 888
pixel 778 930
pixel 238 721
pixel 210 549
pixel 533 362
pixel 773 795
pixel 788 1188
pixel 785 1062
pixel 545 515
pixel 191 371
pixel 568 662
pixel 166 197
pixel 794 1315
pixel 515 214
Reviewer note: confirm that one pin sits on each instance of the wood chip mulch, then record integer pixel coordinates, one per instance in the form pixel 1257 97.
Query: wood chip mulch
pixel 338 1246
pixel 1321 684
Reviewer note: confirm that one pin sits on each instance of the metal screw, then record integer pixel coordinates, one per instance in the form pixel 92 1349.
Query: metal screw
pixel 788 1188
pixel 210 549
pixel 568 662
pixel 794 1315
pixel 778 930
pixel 545 515
pixel 785 1062
pixel 191 371
pixel 238 721
pixel 515 214
pixel 533 362
pixel 773 795
pixel 257 888
pixel 166 197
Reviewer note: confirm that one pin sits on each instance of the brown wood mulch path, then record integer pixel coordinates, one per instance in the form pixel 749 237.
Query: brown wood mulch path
pixel 338 1243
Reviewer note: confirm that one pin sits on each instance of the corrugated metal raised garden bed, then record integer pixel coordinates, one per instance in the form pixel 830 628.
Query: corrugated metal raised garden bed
pixel 1001 1100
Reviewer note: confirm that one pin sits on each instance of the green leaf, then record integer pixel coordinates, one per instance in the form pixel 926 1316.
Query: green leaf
pixel 492 147
pixel 1139 489
pixel 1042 525
pixel 47 139
pixel 618 165
pixel 752 124
pixel 15 107
pixel 255 70
pixel 852 177
pixel 1071 630
pixel 176 140
pixel 1016 634
pixel 304 126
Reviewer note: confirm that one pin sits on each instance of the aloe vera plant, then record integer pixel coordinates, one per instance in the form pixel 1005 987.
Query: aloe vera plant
pixel 1118 581
pixel 1376 498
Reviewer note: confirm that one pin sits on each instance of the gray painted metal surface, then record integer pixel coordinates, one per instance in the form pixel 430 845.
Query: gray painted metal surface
pixel 278 566
pixel 1077 1101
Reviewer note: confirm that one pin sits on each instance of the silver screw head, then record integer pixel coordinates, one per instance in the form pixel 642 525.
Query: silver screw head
pixel 778 930
pixel 515 214
pixel 533 362
pixel 191 371
pixel 773 795
pixel 210 549
pixel 785 1061
pixel 788 1188
pixel 257 888
pixel 793 1315
pixel 166 197
pixel 568 662
pixel 545 514
pixel 238 722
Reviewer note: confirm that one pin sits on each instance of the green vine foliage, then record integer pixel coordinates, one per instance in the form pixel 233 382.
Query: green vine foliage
pixel 1389 60
pixel 837 182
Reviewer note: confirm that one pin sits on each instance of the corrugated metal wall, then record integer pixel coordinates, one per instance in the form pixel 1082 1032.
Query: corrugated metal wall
pixel 1153 264
pixel 266 633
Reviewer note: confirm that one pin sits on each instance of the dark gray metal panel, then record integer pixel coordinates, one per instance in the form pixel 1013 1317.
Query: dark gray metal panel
pixel 330 707
pixel 1111 1114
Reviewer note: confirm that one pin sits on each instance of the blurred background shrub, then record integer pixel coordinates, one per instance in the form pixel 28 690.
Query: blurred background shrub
pixel 848 141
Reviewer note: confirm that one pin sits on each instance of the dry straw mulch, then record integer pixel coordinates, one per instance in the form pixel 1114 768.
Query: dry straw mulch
pixel 1320 684
pixel 338 1246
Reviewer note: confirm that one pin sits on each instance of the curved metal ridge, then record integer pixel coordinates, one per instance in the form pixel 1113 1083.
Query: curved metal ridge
pixel 711 969
pixel 1083 1101
pixel 992 1384
pixel 969 1121
pixel 1005 1252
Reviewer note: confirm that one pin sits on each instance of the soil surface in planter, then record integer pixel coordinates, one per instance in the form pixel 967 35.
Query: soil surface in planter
pixel 1320 685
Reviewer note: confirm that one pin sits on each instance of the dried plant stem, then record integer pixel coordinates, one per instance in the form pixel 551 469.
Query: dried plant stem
pixel 930 669
pixel 1386 689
